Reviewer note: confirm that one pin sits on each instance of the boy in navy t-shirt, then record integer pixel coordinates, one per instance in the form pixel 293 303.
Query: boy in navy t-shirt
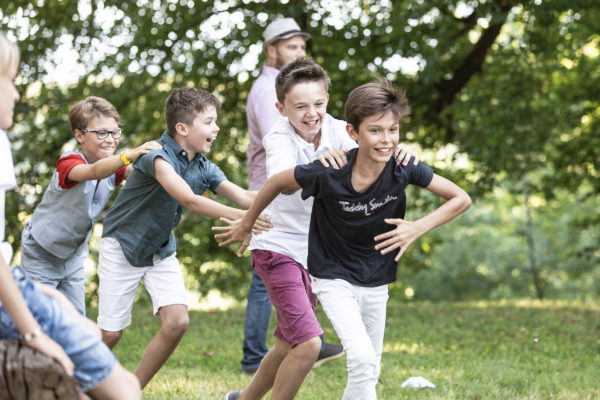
pixel 351 247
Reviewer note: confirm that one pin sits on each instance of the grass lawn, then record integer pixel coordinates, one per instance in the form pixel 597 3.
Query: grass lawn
pixel 476 350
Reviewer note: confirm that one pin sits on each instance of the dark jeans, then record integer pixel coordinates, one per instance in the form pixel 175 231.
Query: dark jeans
pixel 256 324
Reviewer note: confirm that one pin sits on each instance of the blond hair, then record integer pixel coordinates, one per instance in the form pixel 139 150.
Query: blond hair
pixel 9 57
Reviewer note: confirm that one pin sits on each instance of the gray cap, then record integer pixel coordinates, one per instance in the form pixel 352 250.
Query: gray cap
pixel 282 29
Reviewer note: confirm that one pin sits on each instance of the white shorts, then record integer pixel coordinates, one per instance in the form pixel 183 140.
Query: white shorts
pixel 119 281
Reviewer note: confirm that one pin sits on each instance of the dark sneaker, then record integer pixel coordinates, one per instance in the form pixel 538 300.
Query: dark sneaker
pixel 233 395
pixel 329 353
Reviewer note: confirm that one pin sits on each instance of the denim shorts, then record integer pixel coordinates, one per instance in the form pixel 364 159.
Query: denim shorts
pixel 93 360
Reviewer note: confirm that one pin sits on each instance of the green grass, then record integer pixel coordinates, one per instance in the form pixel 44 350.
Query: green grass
pixel 476 350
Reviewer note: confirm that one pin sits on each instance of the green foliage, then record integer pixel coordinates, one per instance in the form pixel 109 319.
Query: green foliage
pixel 512 84
pixel 472 350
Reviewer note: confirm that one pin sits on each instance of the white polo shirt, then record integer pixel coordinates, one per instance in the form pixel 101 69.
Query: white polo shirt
pixel 7 182
pixel 289 214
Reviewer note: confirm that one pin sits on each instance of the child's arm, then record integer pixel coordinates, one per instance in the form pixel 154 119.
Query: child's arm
pixel 178 188
pixel 337 157
pixel 240 231
pixel 105 167
pixel 15 306
pixel 66 303
pixel 406 232
pixel 236 194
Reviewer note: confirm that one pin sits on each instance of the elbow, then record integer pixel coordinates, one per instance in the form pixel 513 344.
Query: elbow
pixel 466 202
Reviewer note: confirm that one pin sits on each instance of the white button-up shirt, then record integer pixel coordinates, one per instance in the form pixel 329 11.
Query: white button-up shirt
pixel 289 214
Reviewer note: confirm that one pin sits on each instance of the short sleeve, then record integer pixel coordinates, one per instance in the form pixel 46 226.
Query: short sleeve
pixel 420 174
pixel 7 171
pixel 280 153
pixel 214 175
pixel 120 175
pixel 64 165
pixel 145 162
pixel 309 177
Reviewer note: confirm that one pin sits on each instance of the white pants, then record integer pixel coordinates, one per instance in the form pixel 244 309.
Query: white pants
pixel 357 314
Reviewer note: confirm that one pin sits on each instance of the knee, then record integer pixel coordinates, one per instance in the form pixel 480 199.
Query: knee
pixel 111 338
pixel 362 361
pixel 177 326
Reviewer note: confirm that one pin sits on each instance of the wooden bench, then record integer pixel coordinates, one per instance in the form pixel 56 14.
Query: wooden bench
pixel 26 374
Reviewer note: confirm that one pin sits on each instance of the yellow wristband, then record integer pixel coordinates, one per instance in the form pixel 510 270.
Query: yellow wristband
pixel 124 157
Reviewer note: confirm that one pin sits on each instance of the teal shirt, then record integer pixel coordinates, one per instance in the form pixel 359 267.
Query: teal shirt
pixel 144 214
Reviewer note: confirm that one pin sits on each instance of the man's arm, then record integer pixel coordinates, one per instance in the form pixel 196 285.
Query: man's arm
pixel 105 167
pixel 406 232
pixel 240 231
pixel 178 188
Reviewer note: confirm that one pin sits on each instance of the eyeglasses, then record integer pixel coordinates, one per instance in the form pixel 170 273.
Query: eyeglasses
pixel 102 134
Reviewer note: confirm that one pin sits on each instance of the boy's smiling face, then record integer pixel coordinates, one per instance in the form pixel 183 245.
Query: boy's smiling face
pixel 92 148
pixel 377 137
pixel 200 135
pixel 305 106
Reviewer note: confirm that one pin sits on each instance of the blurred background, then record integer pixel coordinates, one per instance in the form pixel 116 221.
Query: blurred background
pixel 505 99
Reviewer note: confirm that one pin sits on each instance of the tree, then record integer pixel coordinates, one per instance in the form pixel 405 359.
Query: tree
pixel 512 84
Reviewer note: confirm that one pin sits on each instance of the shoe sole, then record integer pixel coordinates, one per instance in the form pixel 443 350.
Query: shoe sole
pixel 327 359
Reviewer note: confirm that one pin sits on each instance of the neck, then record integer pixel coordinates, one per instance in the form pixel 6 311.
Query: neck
pixel 365 172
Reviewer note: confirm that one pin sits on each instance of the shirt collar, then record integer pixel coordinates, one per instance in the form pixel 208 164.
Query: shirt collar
pixel 177 149
pixel 324 143
pixel 268 70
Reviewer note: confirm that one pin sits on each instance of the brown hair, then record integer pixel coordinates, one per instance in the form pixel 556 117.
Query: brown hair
pixel 295 72
pixel 184 103
pixel 9 57
pixel 373 98
pixel 91 107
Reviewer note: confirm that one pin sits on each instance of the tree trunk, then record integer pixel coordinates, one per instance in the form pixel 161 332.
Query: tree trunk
pixel 535 273
pixel 26 374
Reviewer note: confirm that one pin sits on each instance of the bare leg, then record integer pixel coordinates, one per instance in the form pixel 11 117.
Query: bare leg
pixel 111 338
pixel 175 321
pixel 120 385
pixel 283 369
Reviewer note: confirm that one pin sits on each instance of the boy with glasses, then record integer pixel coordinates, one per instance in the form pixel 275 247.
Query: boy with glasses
pixel 54 243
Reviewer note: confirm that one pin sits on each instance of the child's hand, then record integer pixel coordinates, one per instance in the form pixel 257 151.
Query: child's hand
pixel 336 157
pixel 45 345
pixel 405 233
pixel 143 149
pixel 261 225
pixel 403 154
pixel 235 232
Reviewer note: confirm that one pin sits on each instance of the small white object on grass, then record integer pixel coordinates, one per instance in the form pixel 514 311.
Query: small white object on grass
pixel 417 382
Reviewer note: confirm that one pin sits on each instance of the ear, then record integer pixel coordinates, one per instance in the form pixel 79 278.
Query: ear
pixel 351 132
pixel 78 135
pixel 271 54
pixel 280 108
pixel 181 129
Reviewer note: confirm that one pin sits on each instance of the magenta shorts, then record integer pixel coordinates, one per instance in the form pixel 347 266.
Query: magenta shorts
pixel 288 284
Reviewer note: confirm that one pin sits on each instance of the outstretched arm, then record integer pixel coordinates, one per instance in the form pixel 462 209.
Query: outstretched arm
pixel 15 305
pixel 240 230
pixel 406 232
pixel 177 187
pixel 105 167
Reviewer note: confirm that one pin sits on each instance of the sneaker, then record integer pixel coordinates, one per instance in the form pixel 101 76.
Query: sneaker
pixel 233 395
pixel 329 353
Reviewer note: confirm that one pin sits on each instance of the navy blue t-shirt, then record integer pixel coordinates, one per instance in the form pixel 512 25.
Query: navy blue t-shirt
pixel 344 222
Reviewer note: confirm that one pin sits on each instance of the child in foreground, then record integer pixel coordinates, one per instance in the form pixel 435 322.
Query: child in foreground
pixel 138 243
pixel 54 243
pixel 351 247
pixel 41 317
